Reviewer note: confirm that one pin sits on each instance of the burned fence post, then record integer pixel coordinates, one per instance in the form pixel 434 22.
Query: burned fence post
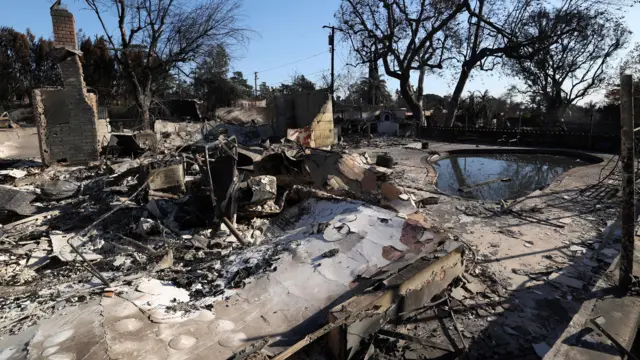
pixel 628 190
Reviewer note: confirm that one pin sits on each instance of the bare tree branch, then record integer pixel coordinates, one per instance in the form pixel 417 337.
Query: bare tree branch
pixel 565 71
pixel 164 35
pixel 406 35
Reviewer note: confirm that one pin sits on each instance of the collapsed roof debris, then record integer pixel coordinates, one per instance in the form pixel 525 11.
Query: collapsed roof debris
pixel 179 226
pixel 230 242
pixel 201 230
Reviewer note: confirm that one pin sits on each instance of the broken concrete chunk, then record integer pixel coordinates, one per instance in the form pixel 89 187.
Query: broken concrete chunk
pixel 265 209
pixel 122 166
pixel 199 242
pixel 474 286
pixel 465 219
pixel 399 201
pixel 37 258
pixel 459 294
pixel 121 261
pixel 578 249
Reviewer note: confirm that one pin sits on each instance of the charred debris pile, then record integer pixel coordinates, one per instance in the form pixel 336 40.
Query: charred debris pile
pixel 178 210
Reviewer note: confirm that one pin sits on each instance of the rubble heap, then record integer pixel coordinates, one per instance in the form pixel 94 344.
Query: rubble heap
pixel 205 216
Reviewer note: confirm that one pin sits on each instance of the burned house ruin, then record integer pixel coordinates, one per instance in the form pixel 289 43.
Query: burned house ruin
pixel 67 117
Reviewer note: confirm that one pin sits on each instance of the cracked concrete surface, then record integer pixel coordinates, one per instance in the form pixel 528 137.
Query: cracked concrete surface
pixel 76 334
pixel 282 305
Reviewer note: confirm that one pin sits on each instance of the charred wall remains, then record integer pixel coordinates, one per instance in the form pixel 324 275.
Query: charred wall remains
pixel 67 118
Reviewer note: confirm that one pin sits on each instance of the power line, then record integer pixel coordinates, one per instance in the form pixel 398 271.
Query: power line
pixel 305 75
pixel 295 62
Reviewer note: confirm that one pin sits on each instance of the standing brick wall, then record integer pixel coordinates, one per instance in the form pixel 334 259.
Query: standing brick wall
pixel 68 118
pixel 314 109
pixel 41 122
pixel 322 126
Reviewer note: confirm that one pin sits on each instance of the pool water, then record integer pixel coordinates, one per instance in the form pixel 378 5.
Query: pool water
pixel 495 177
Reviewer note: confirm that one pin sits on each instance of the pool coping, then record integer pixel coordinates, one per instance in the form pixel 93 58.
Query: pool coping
pixel 432 174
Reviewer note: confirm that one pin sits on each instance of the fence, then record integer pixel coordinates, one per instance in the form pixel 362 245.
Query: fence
pixel 603 142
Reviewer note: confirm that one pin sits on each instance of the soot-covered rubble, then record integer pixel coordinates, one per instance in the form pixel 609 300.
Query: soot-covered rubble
pixel 275 239
pixel 202 215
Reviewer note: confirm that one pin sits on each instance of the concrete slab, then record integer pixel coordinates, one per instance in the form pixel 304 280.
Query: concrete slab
pixel 621 314
pixel 75 334
pixel 144 320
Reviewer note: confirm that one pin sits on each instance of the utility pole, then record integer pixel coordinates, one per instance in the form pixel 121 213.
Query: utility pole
pixel 255 83
pixel 628 216
pixel 332 42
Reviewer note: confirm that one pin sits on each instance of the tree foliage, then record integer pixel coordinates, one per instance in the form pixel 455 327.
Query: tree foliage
pixel 25 64
pixel 561 72
pixel 298 83
pixel 405 35
pixel 369 91
pixel 489 31
pixel 157 37
pixel 99 69
pixel 212 83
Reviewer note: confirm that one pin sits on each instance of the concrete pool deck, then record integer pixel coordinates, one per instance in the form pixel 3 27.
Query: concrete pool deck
pixel 534 251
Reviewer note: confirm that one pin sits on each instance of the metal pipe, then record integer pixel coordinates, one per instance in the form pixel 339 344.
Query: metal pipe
pixel 235 232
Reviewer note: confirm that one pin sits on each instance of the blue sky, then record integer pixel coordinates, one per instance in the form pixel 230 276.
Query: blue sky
pixel 286 31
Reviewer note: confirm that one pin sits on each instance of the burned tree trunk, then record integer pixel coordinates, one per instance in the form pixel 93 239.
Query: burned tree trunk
pixel 143 103
pixel 373 77
pixel 457 92
pixel 142 94
pixel 416 108
pixel 420 88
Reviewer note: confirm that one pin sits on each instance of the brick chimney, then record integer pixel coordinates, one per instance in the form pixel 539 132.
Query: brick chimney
pixel 64 28
pixel 69 130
